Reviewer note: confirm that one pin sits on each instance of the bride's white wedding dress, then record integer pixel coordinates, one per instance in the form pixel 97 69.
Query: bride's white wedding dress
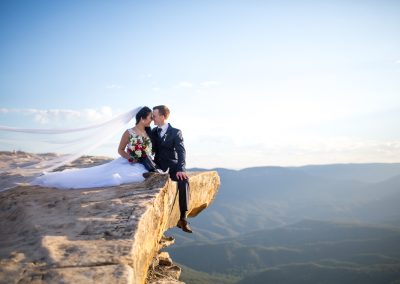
pixel 116 172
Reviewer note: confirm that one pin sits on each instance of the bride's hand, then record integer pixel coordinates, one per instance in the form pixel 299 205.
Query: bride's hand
pixel 132 160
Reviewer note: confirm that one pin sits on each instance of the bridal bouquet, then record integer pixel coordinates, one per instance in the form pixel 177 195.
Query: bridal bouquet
pixel 139 147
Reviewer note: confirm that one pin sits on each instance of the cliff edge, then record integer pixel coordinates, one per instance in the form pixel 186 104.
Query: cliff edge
pixel 103 235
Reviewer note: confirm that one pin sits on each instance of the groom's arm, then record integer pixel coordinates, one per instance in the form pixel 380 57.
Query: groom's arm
pixel 180 150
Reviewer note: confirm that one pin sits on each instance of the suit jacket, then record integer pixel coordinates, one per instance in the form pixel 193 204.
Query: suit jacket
pixel 169 150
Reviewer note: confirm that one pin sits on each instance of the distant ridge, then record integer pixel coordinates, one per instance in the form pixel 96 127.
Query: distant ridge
pixel 337 223
pixel 365 172
pixel 270 196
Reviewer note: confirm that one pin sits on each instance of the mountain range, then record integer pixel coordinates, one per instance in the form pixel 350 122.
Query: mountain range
pixel 327 223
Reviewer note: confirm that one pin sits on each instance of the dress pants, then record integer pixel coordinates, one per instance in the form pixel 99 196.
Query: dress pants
pixel 183 188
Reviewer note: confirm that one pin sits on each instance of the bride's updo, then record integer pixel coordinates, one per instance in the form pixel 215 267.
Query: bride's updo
pixel 143 113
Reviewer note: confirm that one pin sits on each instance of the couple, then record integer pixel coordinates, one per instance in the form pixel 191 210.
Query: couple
pixel 166 143
pixel 136 148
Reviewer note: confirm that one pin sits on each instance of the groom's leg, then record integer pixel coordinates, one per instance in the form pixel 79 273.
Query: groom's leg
pixel 183 188
pixel 183 191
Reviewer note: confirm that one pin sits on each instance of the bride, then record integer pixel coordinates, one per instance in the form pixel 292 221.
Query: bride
pixel 128 168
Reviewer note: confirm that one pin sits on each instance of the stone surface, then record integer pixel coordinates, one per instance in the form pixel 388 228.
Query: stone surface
pixel 164 259
pixel 104 235
pixel 164 274
pixel 166 241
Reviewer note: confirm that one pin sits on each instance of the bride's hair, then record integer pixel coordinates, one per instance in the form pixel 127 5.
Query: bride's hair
pixel 143 113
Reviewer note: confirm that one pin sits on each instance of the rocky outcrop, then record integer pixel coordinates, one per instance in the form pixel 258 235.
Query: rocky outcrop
pixel 104 235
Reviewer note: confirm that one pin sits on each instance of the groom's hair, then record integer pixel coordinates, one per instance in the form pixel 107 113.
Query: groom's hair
pixel 163 110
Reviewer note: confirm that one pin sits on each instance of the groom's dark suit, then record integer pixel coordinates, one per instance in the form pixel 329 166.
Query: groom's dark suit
pixel 170 154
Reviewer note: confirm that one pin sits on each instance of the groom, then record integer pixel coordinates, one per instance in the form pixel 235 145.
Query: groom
pixel 170 154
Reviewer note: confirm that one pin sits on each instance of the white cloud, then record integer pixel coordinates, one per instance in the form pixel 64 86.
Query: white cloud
pixel 185 84
pixel 46 116
pixel 219 151
pixel 113 86
pixel 398 61
pixel 105 112
pixel 204 84
pixel 145 76
pixel 208 84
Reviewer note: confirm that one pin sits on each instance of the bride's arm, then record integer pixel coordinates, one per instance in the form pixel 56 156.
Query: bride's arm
pixel 122 145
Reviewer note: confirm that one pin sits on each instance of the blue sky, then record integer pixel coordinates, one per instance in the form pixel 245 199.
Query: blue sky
pixel 249 82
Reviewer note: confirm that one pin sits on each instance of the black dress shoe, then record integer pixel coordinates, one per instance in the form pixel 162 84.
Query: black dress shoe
pixel 184 225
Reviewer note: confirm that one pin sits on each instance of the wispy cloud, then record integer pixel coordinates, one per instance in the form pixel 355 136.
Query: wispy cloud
pixel 204 84
pixel 113 86
pixel 208 84
pixel 46 116
pixel 145 76
pixel 185 84
pixel 227 153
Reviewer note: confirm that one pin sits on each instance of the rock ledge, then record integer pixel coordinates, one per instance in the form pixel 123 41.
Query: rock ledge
pixel 104 235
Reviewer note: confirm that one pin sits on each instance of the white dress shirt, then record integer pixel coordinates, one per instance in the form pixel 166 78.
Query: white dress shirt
pixel 164 129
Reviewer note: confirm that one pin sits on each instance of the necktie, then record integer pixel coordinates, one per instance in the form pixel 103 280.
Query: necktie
pixel 159 131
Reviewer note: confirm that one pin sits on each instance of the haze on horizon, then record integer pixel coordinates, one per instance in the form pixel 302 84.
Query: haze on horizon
pixel 250 83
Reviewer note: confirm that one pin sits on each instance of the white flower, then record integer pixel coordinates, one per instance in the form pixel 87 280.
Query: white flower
pixel 138 153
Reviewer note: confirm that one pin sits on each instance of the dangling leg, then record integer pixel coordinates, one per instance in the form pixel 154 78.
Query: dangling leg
pixel 183 188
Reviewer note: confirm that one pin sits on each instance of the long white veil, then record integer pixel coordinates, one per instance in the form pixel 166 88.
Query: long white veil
pixel 69 144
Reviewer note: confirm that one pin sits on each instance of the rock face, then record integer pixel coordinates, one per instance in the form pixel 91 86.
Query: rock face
pixel 104 235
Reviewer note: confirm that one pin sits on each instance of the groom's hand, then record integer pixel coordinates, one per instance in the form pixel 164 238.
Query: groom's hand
pixel 181 176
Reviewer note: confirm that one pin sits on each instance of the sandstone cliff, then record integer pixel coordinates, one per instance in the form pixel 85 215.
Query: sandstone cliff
pixel 106 235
